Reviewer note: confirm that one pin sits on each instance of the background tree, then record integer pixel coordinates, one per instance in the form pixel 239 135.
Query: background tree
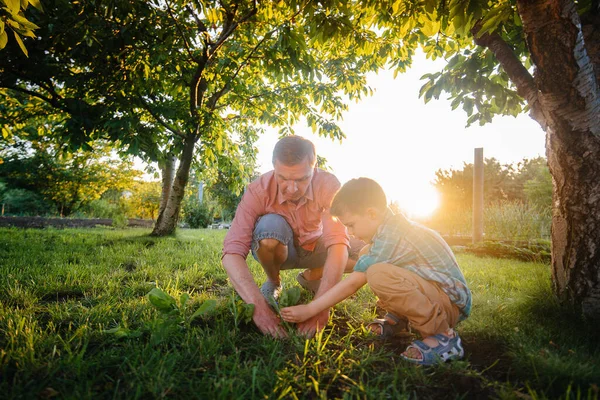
pixel 67 180
pixel 192 79
pixel 144 200
pixel 512 56
pixel 525 181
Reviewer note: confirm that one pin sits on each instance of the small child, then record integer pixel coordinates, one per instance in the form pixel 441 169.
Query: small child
pixel 409 267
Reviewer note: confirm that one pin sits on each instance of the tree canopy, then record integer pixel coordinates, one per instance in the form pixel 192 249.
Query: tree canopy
pixel 197 79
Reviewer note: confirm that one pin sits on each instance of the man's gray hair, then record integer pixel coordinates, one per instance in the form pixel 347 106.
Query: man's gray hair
pixel 293 150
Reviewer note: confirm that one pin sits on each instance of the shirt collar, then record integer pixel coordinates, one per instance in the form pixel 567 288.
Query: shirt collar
pixel 309 195
pixel 389 214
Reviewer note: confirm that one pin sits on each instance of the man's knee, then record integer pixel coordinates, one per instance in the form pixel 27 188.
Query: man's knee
pixel 364 250
pixel 269 245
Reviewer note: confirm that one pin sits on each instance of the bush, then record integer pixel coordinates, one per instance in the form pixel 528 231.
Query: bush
pixel 100 208
pixel 103 208
pixel 501 221
pixel 26 203
pixel 197 215
pixel 535 250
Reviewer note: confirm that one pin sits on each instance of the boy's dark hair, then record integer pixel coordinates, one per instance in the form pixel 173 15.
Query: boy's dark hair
pixel 356 196
pixel 292 150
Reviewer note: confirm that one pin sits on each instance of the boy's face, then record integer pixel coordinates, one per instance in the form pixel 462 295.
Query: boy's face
pixel 362 226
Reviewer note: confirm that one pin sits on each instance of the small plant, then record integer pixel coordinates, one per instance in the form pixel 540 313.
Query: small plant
pixel 242 312
pixel 168 306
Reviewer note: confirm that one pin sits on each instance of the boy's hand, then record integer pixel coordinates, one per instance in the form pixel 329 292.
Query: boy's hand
pixel 296 313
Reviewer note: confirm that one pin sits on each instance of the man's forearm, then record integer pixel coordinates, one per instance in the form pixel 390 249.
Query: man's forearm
pixel 241 279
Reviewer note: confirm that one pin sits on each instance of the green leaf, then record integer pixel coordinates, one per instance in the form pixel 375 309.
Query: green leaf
pixel 25 23
pixel 21 45
pixel 162 301
pixel 13 5
pixel 206 307
pixel 3 40
pixel 247 312
pixel 121 332
pixel 183 299
pixel 289 297
pixel 37 4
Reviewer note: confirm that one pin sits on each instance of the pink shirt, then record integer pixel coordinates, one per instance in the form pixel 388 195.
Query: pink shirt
pixel 309 219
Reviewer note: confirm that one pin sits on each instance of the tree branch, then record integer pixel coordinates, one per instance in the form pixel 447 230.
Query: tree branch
pixel 50 100
pixel 158 118
pixel 230 26
pixel 227 87
pixel 185 42
pixel 517 73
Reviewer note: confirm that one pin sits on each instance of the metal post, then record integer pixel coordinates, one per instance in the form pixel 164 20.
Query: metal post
pixel 478 196
pixel 200 191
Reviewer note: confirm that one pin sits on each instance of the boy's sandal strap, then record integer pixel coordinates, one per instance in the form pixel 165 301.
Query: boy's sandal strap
pixel 401 328
pixel 392 317
pixel 447 349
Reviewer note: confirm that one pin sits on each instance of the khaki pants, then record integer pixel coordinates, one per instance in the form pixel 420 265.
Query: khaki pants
pixel 406 294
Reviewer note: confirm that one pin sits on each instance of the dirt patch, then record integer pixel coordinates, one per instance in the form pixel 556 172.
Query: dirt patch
pixel 42 222
pixel 62 296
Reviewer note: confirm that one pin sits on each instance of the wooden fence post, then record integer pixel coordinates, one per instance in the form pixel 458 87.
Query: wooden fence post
pixel 478 196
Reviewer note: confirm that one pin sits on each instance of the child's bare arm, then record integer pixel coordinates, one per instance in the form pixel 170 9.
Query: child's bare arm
pixel 339 292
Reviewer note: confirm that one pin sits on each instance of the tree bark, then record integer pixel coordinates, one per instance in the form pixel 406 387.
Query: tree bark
pixel 167 221
pixel 168 174
pixel 570 101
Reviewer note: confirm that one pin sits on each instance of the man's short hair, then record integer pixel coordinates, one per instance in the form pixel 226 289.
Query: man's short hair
pixel 293 150
pixel 356 196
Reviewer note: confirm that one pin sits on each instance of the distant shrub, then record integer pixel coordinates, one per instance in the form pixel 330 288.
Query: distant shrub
pixel 106 208
pixel 537 250
pixel 501 221
pixel 100 208
pixel 197 215
pixel 27 203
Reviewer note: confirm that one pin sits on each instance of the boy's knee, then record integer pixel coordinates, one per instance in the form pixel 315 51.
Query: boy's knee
pixel 378 275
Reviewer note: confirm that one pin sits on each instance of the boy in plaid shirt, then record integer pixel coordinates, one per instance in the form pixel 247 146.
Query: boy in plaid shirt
pixel 409 267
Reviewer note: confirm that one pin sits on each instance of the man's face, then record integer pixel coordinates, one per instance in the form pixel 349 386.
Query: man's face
pixel 362 226
pixel 293 181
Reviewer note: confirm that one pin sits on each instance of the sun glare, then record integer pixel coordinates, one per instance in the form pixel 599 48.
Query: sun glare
pixel 419 201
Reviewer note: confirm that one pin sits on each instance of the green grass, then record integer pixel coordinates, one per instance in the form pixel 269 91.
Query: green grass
pixel 65 291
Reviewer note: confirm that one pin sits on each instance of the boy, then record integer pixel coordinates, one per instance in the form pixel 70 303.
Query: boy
pixel 409 267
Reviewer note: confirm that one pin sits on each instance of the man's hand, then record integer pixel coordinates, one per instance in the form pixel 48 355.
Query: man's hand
pixel 309 327
pixel 268 322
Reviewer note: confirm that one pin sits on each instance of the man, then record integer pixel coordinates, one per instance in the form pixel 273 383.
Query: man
pixel 283 219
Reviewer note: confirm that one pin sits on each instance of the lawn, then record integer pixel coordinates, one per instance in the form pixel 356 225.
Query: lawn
pixel 76 322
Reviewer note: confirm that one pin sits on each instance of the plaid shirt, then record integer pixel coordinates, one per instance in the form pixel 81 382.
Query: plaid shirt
pixel 422 251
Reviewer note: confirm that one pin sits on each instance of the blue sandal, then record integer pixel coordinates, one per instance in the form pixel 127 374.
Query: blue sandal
pixel 400 328
pixel 447 349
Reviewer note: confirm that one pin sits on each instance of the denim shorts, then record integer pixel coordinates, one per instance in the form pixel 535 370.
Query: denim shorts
pixel 274 226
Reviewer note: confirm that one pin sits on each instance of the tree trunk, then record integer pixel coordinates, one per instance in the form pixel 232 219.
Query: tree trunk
pixel 167 221
pixel 168 174
pixel 570 101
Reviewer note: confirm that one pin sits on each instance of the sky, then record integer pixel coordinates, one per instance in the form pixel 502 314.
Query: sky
pixel 397 140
